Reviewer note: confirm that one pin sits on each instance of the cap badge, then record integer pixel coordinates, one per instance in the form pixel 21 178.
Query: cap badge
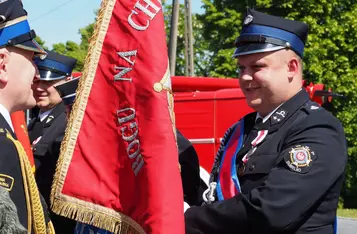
pixel 248 19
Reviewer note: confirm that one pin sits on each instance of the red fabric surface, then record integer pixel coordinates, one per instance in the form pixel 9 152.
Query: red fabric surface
pixel 101 171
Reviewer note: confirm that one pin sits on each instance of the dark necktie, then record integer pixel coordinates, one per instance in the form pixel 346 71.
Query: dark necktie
pixel 251 136
pixel 248 145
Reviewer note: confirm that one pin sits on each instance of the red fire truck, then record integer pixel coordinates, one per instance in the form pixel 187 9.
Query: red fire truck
pixel 206 107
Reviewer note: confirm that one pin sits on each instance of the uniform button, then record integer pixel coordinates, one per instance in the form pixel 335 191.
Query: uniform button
pixel 251 168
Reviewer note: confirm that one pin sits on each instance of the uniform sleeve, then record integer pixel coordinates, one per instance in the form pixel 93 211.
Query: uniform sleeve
pixel 8 165
pixel 312 159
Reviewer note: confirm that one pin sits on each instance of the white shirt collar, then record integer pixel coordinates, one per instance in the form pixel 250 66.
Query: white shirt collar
pixel 5 113
pixel 268 115
pixel 45 114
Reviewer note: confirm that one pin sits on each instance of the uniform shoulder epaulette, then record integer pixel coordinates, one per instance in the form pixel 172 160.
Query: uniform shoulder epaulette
pixel 311 107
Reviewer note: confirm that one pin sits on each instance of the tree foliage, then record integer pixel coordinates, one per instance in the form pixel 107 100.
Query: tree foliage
pixel 74 50
pixel 201 54
pixel 330 54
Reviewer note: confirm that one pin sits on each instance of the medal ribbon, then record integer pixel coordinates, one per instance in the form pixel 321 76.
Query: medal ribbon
pixel 260 137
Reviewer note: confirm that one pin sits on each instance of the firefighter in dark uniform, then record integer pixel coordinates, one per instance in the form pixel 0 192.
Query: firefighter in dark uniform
pixel 17 71
pixel 279 169
pixel 49 126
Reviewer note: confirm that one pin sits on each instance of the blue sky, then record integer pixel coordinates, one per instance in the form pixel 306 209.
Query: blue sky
pixel 60 20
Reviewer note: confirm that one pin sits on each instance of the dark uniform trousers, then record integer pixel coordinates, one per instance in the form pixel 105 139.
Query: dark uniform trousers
pixel 290 184
pixel 11 176
pixel 46 138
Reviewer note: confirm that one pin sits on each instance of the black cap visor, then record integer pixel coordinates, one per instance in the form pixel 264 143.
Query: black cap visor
pixel 51 75
pixel 253 48
pixel 32 45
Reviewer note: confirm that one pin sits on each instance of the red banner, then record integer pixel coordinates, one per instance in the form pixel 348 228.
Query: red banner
pixel 118 169
pixel 20 128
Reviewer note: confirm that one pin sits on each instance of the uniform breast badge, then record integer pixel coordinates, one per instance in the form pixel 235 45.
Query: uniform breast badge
pixel 300 158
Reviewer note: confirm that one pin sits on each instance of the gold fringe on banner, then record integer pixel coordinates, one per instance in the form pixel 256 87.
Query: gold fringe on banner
pixel 64 205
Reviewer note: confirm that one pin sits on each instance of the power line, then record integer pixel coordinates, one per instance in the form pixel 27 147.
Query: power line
pixel 52 10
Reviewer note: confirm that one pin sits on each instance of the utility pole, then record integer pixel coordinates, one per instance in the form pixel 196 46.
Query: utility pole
pixel 189 54
pixel 173 35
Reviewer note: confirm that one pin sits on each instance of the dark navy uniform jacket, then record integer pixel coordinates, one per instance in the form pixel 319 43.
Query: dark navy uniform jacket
pixel 46 153
pixel 10 172
pixel 277 196
pixel 11 175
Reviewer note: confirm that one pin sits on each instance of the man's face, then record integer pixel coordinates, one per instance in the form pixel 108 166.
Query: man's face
pixel 18 72
pixel 45 93
pixel 265 79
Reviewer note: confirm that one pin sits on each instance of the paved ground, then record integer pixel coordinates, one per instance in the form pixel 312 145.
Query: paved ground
pixel 346 226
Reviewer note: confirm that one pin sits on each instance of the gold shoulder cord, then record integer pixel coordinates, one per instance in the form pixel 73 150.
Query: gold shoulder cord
pixel 33 202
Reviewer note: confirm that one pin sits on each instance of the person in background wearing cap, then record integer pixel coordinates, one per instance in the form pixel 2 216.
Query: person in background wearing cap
pixel 17 72
pixel 67 92
pixel 49 126
pixel 280 168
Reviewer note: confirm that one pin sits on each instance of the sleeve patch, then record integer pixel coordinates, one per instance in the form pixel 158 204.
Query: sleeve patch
pixel 7 182
pixel 300 158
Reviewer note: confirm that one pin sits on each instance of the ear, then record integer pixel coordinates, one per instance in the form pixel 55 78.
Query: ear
pixel 293 67
pixel 4 61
